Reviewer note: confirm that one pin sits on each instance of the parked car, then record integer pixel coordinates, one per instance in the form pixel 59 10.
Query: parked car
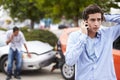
pixel 42 54
pixel 68 72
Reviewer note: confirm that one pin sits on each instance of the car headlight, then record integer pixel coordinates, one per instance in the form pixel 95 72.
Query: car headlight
pixel 25 55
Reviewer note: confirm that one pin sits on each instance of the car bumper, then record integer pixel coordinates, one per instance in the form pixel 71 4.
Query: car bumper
pixel 39 61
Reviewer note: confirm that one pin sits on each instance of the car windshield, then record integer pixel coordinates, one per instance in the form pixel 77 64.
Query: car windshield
pixel 116 44
pixel 2 38
pixel 2 43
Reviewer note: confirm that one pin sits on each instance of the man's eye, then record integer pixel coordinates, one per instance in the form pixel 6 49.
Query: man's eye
pixel 99 19
pixel 92 19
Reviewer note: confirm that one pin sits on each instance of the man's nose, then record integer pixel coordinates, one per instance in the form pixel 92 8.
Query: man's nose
pixel 96 23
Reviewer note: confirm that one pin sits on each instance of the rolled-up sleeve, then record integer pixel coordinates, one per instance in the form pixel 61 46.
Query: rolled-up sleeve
pixel 74 48
pixel 112 18
pixel 115 30
pixel 23 41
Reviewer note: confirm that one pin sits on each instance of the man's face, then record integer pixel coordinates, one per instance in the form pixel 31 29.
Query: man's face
pixel 94 22
pixel 16 33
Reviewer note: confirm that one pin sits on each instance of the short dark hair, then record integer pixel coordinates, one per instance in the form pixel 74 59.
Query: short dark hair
pixel 92 9
pixel 15 29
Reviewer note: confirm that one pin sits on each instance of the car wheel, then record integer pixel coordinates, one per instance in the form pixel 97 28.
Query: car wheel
pixel 4 64
pixel 68 72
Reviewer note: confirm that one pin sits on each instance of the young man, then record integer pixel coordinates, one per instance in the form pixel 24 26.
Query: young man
pixel 90 49
pixel 15 39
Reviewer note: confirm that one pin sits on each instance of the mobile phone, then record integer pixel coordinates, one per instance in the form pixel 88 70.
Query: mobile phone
pixel 86 25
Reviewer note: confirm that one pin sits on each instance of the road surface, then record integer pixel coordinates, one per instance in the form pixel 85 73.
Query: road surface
pixel 43 74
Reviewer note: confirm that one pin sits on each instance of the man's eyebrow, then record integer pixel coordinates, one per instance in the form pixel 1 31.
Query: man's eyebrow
pixel 95 19
pixel 92 19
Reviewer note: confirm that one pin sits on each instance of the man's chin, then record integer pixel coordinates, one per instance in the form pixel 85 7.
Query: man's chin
pixel 96 30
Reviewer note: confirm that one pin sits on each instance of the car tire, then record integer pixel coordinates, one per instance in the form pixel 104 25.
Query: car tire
pixel 4 64
pixel 68 72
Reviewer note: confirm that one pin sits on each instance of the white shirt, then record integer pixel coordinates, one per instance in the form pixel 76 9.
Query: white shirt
pixel 17 41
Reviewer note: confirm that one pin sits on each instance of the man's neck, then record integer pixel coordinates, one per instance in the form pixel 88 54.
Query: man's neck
pixel 91 34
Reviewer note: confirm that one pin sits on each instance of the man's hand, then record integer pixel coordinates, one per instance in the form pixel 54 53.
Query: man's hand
pixel 29 55
pixel 10 39
pixel 84 26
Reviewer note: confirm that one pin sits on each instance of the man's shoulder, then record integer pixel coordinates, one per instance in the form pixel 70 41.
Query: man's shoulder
pixel 75 33
pixel 103 28
pixel 9 31
pixel 20 33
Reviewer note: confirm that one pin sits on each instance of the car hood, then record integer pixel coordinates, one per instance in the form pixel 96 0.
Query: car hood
pixel 37 47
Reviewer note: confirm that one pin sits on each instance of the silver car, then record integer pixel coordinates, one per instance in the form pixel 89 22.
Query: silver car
pixel 42 54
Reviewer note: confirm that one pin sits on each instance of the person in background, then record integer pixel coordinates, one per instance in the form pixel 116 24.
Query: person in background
pixel 15 39
pixel 63 23
pixel 48 23
pixel 90 49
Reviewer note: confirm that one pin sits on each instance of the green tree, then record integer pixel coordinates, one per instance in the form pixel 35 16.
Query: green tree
pixel 70 8
pixel 114 4
pixel 37 9
pixel 23 9
pixel 74 8
pixel 107 4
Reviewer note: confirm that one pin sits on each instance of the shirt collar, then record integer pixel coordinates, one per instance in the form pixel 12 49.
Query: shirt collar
pixel 98 34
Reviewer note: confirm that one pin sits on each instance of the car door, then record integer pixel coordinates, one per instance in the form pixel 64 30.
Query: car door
pixel 116 55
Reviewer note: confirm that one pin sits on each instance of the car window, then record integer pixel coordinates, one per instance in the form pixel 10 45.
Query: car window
pixel 2 40
pixel 116 44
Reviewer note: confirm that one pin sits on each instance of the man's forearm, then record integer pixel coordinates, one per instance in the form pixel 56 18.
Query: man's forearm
pixel 74 50
pixel 112 18
pixel 29 55
pixel 8 41
pixel 26 47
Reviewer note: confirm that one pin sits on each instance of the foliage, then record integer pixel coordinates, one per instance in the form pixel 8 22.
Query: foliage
pixel 41 35
pixel 23 9
pixel 71 8
pixel 114 4
pixel 107 4
pixel 3 29
pixel 38 9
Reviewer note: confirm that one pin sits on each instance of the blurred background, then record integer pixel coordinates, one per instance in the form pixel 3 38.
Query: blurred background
pixel 40 14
